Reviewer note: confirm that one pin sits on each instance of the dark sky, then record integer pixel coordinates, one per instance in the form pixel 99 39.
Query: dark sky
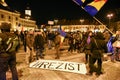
pixel 44 10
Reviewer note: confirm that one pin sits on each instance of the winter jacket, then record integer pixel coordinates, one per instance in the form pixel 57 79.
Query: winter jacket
pixel 39 41
pixel 98 46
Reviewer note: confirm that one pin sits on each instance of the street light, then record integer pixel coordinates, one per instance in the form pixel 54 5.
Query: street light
pixel 56 21
pixel 109 17
pixel 56 25
pixel 50 23
pixel 81 21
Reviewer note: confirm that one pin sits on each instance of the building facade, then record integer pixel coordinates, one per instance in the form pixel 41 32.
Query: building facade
pixel 82 28
pixel 16 21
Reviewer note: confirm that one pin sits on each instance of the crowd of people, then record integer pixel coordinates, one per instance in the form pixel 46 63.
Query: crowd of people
pixel 93 44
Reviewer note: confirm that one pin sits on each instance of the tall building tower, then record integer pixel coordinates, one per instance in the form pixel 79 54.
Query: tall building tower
pixel 27 12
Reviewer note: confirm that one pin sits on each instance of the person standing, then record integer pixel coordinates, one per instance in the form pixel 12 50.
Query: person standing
pixel 7 52
pixel 29 46
pixel 50 37
pixel 116 46
pixel 110 48
pixel 98 47
pixel 39 43
pixel 87 44
pixel 70 42
pixel 24 41
pixel 57 41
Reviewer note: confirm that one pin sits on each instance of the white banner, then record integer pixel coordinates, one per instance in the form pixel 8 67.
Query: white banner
pixel 60 65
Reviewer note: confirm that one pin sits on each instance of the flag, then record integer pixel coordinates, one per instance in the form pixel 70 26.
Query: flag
pixel 91 6
pixel 2 2
pixel 62 32
pixel 62 35
pixel 109 45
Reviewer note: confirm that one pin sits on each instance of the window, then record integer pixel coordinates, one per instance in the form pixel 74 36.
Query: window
pixel 16 23
pixel 2 16
pixel 9 17
pixel 16 18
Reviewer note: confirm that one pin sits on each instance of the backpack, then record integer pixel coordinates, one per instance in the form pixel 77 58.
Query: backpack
pixel 12 44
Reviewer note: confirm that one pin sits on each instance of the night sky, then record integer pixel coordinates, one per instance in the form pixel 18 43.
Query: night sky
pixel 44 10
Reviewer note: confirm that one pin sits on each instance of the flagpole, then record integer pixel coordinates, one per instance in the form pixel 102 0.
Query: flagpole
pixel 92 16
pixel 102 24
pixel 98 21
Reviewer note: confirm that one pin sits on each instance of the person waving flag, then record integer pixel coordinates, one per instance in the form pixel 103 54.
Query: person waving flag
pixel 91 6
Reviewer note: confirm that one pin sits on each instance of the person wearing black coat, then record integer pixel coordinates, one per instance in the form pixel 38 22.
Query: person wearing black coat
pixel 87 44
pixel 98 47
pixel 39 45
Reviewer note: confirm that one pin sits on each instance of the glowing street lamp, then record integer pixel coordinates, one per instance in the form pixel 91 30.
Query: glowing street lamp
pixel 50 23
pixel 81 21
pixel 56 21
pixel 110 17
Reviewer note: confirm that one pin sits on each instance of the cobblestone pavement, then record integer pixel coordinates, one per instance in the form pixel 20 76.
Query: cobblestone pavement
pixel 112 70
